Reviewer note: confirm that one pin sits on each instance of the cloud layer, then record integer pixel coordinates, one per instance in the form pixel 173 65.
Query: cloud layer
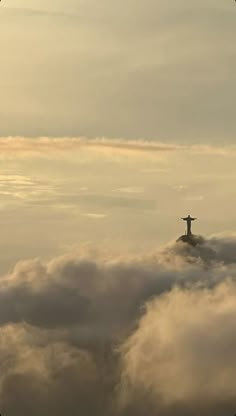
pixel 119 336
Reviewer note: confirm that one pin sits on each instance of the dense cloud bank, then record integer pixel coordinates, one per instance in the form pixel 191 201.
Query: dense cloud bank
pixel 150 334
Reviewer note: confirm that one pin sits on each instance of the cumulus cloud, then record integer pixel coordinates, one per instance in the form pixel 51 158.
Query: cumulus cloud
pixel 184 349
pixel 107 335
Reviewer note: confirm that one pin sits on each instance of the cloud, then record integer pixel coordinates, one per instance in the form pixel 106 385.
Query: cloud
pixel 47 148
pixel 34 13
pixel 23 145
pixel 51 376
pixel 117 335
pixel 94 215
pixel 130 190
pixel 194 198
pixel 184 349
pixel 17 180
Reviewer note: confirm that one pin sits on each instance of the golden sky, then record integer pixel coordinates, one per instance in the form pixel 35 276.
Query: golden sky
pixel 156 70
pixel 61 194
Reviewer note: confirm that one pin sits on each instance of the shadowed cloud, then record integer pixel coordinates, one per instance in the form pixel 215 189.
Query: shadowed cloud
pixel 133 333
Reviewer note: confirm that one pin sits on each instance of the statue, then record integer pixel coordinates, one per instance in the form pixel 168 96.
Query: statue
pixel 189 220
pixel 188 237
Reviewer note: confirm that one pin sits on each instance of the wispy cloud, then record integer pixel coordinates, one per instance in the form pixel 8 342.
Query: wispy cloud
pixel 34 12
pixel 24 145
pixel 42 145
pixel 94 215
pixel 195 198
pixel 130 190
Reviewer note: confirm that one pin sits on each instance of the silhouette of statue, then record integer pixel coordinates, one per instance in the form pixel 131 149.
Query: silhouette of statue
pixel 189 220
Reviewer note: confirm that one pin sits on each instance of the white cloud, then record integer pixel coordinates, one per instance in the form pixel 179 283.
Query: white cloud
pixel 94 215
pixel 130 190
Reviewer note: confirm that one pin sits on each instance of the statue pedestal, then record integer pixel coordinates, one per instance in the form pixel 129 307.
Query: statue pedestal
pixel 191 239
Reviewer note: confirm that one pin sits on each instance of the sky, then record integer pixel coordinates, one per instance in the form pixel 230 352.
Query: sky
pixel 129 69
pixel 117 119
pixel 61 195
